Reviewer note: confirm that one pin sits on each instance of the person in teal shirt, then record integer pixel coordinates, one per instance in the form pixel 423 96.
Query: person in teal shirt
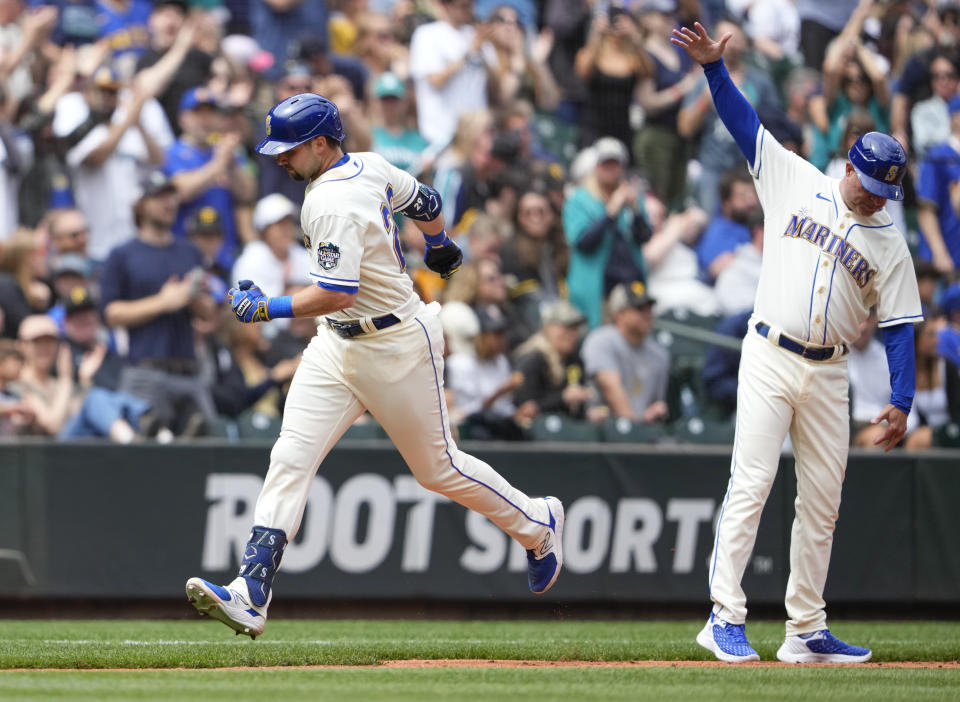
pixel 395 139
pixel 606 226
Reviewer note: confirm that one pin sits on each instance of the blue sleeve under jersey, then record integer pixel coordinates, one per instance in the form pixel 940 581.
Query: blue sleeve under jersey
pixel 737 114
pixel 898 341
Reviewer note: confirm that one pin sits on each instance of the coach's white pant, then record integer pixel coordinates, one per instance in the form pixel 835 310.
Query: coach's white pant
pixel 778 392
pixel 397 375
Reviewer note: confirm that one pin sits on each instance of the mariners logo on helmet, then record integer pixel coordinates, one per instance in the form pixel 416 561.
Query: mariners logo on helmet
pixel 299 119
pixel 328 255
pixel 880 163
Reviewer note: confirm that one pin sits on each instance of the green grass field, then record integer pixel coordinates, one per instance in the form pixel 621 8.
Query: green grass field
pixel 191 651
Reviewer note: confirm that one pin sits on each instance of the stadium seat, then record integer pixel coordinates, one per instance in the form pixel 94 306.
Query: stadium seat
pixel 697 430
pixel 224 428
pixel 258 426
pixel 682 345
pixel 947 436
pixel 555 427
pixel 691 319
pixel 621 430
pixel 556 136
pixel 365 430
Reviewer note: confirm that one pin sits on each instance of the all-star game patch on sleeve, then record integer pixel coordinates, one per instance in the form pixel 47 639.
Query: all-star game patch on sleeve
pixel 336 250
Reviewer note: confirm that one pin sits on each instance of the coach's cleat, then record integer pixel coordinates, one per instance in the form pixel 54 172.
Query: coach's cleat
pixel 230 605
pixel 821 647
pixel 546 559
pixel 728 642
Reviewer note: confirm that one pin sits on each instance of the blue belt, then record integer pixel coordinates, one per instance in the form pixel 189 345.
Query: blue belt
pixel 808 352
pixel 350 329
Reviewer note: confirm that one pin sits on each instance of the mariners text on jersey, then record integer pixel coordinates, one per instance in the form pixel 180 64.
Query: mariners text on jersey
pixel 805 227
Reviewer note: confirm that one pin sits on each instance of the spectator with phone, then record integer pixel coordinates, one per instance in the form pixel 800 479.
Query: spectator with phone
pixel 448 70
pixel 519 65
pixel 606 227
pixel 610 65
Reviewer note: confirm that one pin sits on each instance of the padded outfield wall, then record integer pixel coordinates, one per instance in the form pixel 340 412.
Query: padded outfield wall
pixel 91 520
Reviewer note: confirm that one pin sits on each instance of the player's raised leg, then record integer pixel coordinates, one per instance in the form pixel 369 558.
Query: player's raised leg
pixel 406 397
pixel 310 429
pixel 820 435
pixel 764 413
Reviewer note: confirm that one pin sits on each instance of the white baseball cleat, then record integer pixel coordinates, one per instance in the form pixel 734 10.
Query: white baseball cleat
pixel 230 605
pixel 821 647
pixel 546 559
pixel 728 642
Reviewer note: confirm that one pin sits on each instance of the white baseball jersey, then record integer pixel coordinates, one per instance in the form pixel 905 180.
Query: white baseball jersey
pixel 354 242
pixel 824 266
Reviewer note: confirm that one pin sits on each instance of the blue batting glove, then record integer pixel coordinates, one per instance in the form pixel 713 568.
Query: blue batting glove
pixel 248 302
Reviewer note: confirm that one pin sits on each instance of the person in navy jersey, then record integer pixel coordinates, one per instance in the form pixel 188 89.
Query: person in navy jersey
pixel 123 23
pixel 948 342
pixel 77 21
pixel 937 193
pixel 207 169
pixel 277 24
pixel 153 286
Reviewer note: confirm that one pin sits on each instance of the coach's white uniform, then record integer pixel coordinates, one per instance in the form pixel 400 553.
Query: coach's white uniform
pixel 395 373
pixel 823 268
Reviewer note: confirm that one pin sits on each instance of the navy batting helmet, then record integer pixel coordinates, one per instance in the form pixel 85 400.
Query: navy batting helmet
pixel 880 163
pixel 298 119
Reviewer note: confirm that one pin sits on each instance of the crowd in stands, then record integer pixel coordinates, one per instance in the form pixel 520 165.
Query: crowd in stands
pixel 611 230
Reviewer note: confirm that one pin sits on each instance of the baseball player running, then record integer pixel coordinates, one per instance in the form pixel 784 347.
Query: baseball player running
pixel 830 252
pixel 378 348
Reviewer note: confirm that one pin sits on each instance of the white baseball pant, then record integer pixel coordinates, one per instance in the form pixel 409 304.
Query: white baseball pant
pixel 397 375
pixel 778 392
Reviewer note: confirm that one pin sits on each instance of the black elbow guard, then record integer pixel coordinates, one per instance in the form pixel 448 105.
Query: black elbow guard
pixel 426 206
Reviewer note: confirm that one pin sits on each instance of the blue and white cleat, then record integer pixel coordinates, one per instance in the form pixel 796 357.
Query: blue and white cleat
pixel 728 642
pixel 821 647
pixel 545 560
pixel 230 605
